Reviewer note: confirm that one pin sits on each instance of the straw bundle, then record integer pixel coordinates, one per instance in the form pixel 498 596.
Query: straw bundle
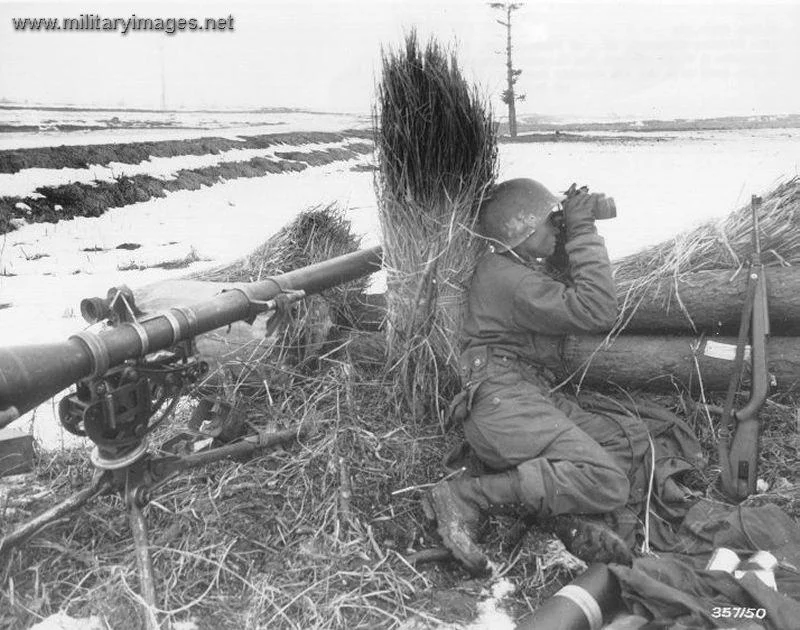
pixel 317 234
pixel 721 244
pixel 437 151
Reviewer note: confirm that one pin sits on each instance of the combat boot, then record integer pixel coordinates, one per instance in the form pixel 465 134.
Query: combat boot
pixel 589 539
pixel 460 507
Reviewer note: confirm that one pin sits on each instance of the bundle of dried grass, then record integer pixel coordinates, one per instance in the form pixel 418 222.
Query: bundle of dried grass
pixel 317 234
pixel 437 151
pixel 720 244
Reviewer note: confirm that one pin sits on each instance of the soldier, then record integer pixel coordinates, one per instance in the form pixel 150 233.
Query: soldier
pixel 541 451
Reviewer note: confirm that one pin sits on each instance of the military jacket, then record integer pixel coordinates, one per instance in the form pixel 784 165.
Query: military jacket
pixel 518 308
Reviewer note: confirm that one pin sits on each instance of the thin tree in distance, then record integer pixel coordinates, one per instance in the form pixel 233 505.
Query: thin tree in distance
pixel 509 96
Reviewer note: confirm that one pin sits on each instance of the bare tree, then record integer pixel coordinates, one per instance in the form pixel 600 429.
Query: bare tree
pixel 509 97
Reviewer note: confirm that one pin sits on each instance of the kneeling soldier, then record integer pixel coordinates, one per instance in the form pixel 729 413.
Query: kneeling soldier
pixel 546 454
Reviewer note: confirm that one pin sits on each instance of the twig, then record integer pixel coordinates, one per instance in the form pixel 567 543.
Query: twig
pixel 436 554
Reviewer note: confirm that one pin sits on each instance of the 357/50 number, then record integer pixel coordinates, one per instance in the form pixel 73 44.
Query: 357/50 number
pixel 737 612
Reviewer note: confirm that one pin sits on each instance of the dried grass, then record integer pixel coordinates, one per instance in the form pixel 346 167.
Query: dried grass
pixel 721 244
pixel 312 534
pixel 315 235
pixel 436 155
pixel 309 536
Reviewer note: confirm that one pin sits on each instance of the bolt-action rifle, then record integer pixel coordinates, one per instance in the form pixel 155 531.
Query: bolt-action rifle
pixel 738 445
pixel 126 374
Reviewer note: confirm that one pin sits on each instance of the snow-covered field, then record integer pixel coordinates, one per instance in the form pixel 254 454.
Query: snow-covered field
pixel 660 188
pixel 171 126
pixel 46 118
pixel 25 182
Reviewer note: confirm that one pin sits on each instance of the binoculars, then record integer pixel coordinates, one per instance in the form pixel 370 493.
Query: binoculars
pixel 602 208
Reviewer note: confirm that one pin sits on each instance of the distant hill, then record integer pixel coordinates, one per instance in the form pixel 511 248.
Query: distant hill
pixel 551 123
pixel 75 108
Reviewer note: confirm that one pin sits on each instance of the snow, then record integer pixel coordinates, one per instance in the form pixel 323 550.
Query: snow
pixel 25 182
pixel 245 213
pixel 44 118
pixel 491 615
pixel 186 125
pixel 662 188
pixel 62 621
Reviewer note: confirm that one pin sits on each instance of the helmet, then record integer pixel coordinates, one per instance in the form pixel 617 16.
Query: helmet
pixel 514 210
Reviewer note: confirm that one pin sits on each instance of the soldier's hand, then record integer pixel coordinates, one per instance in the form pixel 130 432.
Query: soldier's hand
pixel 579 214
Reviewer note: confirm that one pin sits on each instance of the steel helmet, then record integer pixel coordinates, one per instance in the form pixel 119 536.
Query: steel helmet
pixel 513 211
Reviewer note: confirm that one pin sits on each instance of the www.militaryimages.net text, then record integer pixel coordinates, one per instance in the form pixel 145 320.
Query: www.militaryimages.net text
pixel 123 26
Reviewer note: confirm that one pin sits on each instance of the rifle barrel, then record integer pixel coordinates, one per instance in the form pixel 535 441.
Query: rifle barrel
pixel 755 204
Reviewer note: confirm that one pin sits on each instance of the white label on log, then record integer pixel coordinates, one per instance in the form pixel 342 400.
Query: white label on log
pixel 724 351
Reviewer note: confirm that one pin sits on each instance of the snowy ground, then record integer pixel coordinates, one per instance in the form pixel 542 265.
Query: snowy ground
pixel 220 224
pixel 660 188
pixel 25 182
pixel 43 118
pixel 183 126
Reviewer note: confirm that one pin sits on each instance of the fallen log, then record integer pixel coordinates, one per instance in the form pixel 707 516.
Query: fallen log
pixel 667 362
pixel 632 361
pixel 712 300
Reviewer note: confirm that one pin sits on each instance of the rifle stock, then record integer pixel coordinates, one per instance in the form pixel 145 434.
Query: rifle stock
pixel 30 375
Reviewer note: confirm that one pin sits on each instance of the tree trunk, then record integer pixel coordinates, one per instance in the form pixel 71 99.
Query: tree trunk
pixel 650 362
pixel 713 300
pixel 632 361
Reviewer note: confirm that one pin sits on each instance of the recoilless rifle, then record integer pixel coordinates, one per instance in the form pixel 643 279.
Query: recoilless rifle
pixel 126 374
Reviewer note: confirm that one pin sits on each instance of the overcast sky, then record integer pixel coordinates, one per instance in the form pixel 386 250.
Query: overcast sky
pixel 594 58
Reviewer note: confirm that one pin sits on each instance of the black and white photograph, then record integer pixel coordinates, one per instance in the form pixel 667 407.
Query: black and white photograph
pixel 400 314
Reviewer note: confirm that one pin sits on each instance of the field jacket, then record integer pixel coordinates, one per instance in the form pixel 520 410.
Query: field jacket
pixel 519 312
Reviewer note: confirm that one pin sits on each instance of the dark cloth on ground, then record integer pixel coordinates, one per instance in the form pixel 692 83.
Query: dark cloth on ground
pixel 676 587
pixel 677 452
pixel 671 589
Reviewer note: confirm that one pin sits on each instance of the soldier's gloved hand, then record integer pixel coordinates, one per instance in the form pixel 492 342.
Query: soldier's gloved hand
pixel 579 214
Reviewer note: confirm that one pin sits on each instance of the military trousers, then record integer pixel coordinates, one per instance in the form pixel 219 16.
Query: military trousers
pixel 570 461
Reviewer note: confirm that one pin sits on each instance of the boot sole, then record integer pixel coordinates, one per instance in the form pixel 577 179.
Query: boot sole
pixel 453 534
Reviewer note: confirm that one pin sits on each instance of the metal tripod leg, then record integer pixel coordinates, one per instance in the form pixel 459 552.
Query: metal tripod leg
pixel 144 561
